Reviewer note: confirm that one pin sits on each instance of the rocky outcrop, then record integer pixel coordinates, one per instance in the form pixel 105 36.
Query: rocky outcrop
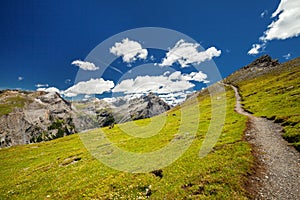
pixel 258 67
pixel 264 61
pixel 40 116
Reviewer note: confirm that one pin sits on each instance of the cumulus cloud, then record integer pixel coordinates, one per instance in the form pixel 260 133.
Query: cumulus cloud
pixel 156 84
pixel 129 50
pixel 50 89
pixel 163 84
pixel 196 76
pixel 93 86
pixel 287 23
pixel 186 53
pixel 85 65
pixel 171 87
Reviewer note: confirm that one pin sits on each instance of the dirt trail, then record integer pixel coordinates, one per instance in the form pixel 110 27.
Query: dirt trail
pixel 277 173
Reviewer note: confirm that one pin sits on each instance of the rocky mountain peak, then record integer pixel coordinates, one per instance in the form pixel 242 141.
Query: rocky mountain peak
pixel 258 67
pixel 147 106
pixel 263 61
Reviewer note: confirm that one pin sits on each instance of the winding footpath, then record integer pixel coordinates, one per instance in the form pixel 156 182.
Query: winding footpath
pixel 277 170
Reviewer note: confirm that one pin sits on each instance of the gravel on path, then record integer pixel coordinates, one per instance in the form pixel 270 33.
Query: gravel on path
pixel 277 169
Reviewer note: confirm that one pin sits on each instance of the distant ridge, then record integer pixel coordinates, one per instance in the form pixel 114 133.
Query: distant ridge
pixel 35 116
pixel 260 66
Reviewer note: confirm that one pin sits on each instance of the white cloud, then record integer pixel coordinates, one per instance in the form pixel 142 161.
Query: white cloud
pixel 50 89
pixel 156 84
pixel 171 87
pixel 163 84
pixel 196 76
pixel 255 49
pixel 287 23
pixel 174 98
pixel 264 13
pixel 187 53
pixel 170 98
pixel 287 56
pixel 93 86
pixel 85 65
pixel 132 96
pixel 129 50
pixel 175 76
pixel 41 85
pixel 20 78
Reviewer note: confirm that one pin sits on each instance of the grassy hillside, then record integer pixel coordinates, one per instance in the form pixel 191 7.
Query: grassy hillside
pixel 276 95
pixel 64 169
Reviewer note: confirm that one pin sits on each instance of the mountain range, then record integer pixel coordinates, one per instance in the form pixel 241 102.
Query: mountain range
pixel 28 117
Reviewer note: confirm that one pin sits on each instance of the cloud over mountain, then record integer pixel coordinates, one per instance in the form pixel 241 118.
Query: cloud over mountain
pixel 157 84
pixel 130 50
pixel 49 89
pixel 92 86
pixel 168 86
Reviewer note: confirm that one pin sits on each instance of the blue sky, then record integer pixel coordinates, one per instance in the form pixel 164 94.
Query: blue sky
pixel 40 39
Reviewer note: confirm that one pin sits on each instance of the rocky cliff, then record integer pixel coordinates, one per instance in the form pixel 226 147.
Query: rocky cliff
pixel 27 117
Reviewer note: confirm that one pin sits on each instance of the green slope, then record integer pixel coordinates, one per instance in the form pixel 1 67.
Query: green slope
pixel 64 169
pixel 276 95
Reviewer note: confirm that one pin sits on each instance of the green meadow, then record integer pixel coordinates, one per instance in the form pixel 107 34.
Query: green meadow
pixel 276 96
pixel 65 169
